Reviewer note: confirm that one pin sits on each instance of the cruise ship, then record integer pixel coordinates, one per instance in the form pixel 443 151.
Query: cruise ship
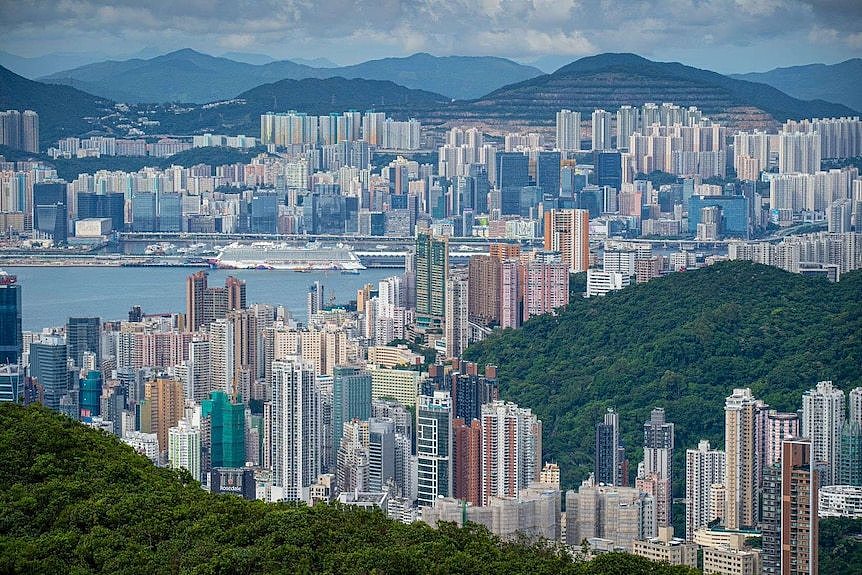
pixel 283 256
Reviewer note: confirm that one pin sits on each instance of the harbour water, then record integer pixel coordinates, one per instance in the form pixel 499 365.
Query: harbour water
pixel 51 294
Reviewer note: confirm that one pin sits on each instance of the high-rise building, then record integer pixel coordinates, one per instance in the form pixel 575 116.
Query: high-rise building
pixel 90 394
pixel 184 448
pixel 470 391
pixel 798 152
pixel 432 271
pixel 775 427
pixel 467 455
pixel 855 401
pixel 20 131
pixel 799 498
pixel 546 286
pixel 10 319
pixel 823 414
pixel 48 365
pixel 568 130
pixel 457 315
pixel 621 514
pixel 513 173
pixel 627 124
pixel 351 398
pixel 205 304
pixel 704 467
pixel 166 403
pixel 434 447
pixel 850 454
pixel 83 335
pixel 11 382
pixel 511 291
pixel 511 449
pixel 224 422
pixel 297 437
pixel 50 210
pixel 658 460
pixel 381 454
pixel 601 130
pixel 568 232
pixel 548 172
pixel 740 440
pixel 611 465
pixel 484 290
pixel 315 300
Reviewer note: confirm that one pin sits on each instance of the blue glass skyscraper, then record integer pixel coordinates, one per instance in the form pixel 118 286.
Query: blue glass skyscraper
pixel 10 319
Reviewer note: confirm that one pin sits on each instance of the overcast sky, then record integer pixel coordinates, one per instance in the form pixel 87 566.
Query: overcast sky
pixel 723 35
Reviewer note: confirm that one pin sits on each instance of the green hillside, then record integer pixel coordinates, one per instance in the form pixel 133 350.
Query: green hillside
pixel 75 500
pixel 683 343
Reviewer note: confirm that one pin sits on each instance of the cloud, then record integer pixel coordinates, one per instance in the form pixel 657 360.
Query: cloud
pixel 357 29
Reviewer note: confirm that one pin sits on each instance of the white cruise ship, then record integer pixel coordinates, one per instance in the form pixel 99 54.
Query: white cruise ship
pixel 282 256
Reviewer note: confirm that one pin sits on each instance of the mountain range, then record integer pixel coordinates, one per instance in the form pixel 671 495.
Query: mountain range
pixel 63 110
pixel 841 83
pixel 604 81
pixel 192 77
pixel 611 80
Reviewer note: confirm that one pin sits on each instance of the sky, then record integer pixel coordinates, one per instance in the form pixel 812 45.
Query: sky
pixel 727 36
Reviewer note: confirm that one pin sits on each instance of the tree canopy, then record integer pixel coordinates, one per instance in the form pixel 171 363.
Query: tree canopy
pixel 76 500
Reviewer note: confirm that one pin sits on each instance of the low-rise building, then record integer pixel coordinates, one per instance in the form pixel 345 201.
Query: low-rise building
pixel 667 549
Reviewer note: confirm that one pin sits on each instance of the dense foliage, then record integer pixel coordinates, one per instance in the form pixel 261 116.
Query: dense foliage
pixel 76 500
pixel 840 546
pixel 683 343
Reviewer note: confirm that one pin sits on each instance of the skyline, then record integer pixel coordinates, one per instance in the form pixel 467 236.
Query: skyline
pixel 730 36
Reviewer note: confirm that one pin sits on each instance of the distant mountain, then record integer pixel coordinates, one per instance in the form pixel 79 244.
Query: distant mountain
pixel 841 83
pixel 190 76
pixel 180 76
pixel 461 77
pixel 611 80
pixel 63 110
pixel 315 62
pixel 310 95
pixel 248 57
pixel 47 64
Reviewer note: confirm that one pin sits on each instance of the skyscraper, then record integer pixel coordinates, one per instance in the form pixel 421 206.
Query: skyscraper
pixel 741 459
pixel 10 319
pixel 601 130
pixel 548 172
pixel 351 398
pixel 432 270
pixel 484 290
pixel 315 300
pixel 568 232
pixel 457 316
pixel 434 447
pixel 704 467
pixel 850 454
pixel 568 130
pixel 83 335
pixel 50 211
pixel 513 173
pixel 48 365
pixel 511 449
pixel 297 438
pixel 467 454
pixel 90 394
pixel 184 448
pixel 799 498
pixel 225 430
pixel 166 407
pixel 627 124
pixel 822 417
pixel 658 460
pixel 611 465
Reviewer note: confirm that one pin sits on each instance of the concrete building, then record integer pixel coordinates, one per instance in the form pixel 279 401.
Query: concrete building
pixel 297 436
pixel 658 460
pixel 434 447
pixel 534 513
pixel 610 461
pixel 511 456
pixel 840 501
pixel 568 232
pixel 741 459
pixel 402 385
pixel 823 414
pixel 621 514
pixel 184 448
pixel 165 404
pixel 600 282
pixel 665 548
pixel 457 315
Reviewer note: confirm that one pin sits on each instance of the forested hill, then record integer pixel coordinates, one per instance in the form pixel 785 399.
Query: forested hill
pixel 683 343
pixel 75 500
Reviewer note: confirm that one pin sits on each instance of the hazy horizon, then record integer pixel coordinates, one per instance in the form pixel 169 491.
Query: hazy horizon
pixel 727 36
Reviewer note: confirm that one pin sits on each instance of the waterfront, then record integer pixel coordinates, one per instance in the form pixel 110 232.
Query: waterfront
pixel 51 294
